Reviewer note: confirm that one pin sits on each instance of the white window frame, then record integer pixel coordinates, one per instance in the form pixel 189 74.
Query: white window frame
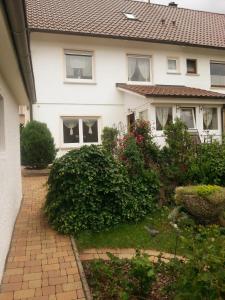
pixel 81 53
pixel 177 70
pixel 2 126
pixel 150 70
pixel 80 122
pixel 193 109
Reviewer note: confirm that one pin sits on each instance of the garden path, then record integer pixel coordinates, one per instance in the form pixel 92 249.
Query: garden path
pixel 41 263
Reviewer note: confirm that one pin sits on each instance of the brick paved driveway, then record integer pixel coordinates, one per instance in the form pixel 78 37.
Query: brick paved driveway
pixel 41 264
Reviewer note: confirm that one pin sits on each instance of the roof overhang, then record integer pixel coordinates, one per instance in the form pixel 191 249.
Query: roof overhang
pixel 125 38
pixel 166 93
pixel 15 60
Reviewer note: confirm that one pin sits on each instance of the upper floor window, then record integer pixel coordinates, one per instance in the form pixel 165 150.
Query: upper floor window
pixel 210 118
pixel 191 66
pixel 164 117
pixel 139 68
pixel 217 70
pixel 79 65
pixel 2 127
pixel 173 65
pixel 80 130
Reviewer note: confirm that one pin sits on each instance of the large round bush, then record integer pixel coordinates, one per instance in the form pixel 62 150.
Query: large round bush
pixel 37 145
pixel 90 189
pixel 206 203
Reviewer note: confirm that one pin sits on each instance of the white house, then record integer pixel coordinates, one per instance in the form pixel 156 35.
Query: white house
pixel 104 63
pixel 15 89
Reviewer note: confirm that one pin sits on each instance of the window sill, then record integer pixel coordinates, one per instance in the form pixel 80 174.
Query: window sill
pixel 218 86
pixel 139 82
pixel 74 81
pixel 173 73
pixel 192 74
pixel 75 146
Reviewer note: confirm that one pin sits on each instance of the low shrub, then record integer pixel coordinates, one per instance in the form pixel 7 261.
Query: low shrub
pixel 209 164
pixel 142 132
pixel 88 189
pixel 109 139
pixel 121 278
pixel 202 276
pixel 37 145
pixel 205 203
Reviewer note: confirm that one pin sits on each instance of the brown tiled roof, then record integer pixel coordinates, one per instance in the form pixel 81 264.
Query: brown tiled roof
pixel 170 91
pixel 105 18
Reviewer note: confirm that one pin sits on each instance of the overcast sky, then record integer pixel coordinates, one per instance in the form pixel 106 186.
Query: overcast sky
pixel 208 5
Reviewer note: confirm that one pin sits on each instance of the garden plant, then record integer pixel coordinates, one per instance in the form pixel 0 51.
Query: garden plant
pixel 37 145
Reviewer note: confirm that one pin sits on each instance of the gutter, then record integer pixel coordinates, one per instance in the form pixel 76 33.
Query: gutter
pixel 16 16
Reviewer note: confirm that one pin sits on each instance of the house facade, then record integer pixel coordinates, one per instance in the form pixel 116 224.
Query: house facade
pixel 113 62
pixel 13 92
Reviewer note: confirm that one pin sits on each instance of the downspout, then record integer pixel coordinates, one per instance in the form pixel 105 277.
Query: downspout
pixel 16 14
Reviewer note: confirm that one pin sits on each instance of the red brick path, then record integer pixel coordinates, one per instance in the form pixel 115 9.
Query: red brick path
pixel 41 264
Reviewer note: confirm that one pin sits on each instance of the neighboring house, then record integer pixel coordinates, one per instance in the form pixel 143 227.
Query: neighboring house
pixel 16 88
pixel 105 63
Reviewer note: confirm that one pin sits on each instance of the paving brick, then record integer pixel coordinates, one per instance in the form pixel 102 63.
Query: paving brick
pixel 6 296
pixel 24 294
pixel 41 264
pixel 35 283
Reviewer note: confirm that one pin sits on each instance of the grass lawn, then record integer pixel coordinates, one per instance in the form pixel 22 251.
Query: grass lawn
pixel 135 235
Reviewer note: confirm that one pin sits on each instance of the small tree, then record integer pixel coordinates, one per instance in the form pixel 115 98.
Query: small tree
pixel 109 139
pixel 178 153
pixel 37 145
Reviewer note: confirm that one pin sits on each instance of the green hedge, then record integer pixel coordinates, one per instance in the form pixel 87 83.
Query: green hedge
pixel 89 189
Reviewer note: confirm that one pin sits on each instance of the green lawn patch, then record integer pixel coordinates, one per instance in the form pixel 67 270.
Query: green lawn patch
pixel 135 235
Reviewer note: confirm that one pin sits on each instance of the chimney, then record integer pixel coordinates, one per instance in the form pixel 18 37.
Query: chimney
pixel 173 4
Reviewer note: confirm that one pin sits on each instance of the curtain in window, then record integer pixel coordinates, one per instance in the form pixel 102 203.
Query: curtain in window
pixel 162 114
pixel 79 66
pixel 71 124
pixel 89 124
pixel 144 68
pixel 132 66
pixel 207 117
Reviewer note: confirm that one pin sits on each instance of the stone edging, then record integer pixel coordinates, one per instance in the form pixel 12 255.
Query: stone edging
pixel 85 285
pixel 34 173
pixel 91 254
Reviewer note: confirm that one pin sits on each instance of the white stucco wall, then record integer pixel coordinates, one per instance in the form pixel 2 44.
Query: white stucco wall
pixel 10 175
pixel 57 97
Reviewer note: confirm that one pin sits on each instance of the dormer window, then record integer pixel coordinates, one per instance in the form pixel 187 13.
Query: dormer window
pixel 139 68
pixel 130 16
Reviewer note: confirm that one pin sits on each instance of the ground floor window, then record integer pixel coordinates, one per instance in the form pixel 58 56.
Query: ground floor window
pixel 79 130
pixel 164 116
pixel 187 115
pixel 210 118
